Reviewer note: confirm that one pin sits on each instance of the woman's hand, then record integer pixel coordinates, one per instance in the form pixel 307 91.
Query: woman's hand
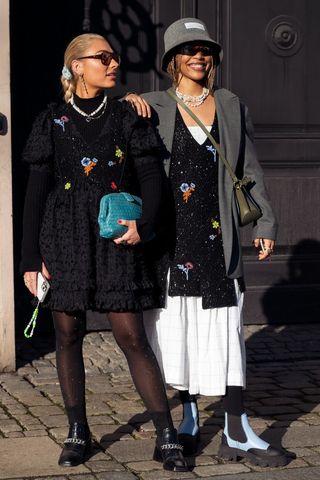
pixel 131 237
pixel 30 279
pixel 139 104
pixel 266 245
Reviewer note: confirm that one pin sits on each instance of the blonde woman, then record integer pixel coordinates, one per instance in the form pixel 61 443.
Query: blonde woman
pixel 78 151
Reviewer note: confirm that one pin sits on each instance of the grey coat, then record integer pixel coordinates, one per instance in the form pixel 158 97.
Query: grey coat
pixel 236 141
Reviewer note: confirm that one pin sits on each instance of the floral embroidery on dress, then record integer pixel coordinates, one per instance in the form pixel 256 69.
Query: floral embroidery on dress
pixel 216 226
pixel 61 121
pixel 114 186
pixel 67 186
pixel 111 163
pixel 187 190
pixel 119 154
pixel 185 268
pixel 88 164
pixel 211 149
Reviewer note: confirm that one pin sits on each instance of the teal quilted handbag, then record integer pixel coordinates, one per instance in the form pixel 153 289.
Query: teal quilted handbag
pixel 115 206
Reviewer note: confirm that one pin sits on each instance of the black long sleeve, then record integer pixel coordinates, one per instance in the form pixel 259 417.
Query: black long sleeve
pixel 38 187
pixel 150 178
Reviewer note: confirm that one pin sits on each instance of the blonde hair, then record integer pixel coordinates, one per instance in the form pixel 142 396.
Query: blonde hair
pixel 173 71
pixel 74 50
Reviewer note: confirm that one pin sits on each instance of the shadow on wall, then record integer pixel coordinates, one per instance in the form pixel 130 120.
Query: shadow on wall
pixel 129 29
pixel 296 298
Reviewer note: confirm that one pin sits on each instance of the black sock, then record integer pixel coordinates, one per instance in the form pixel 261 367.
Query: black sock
pixel 233 404
pixel 190 422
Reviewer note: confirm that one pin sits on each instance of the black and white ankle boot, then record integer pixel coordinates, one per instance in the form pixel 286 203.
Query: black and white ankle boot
pixel 76 445
pixel 169 451
pixel 254 449
pixel 188 431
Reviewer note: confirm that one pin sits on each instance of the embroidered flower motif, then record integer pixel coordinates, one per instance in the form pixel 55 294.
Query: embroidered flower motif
pixel 185 268
pixel 114 186
pixel 61 121
pixel 212 237
pixel 111 163
pixel 119 153
pixel 67 186
pixel 88 164
pixel 211 149
pixel 216 226
pixel 187 190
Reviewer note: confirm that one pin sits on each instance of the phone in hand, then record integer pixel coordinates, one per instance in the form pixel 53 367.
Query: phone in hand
pixel 43 287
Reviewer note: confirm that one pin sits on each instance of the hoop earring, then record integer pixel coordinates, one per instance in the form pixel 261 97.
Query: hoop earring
pixel 84 84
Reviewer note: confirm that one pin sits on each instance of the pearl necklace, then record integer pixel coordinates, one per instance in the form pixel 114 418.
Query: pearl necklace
pixel 91 116
pixel 193 101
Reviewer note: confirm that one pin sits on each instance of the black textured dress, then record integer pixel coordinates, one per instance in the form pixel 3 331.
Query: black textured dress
pixel 194 250
pixel 70 172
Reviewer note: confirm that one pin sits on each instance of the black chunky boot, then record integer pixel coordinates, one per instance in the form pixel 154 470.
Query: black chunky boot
pixel 75 446
pixel 169 451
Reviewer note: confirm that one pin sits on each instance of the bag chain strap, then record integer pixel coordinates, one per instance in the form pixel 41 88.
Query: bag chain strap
pixel 236 181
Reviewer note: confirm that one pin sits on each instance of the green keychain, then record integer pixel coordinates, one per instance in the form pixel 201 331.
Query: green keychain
pixel 43 287
pixel 32 324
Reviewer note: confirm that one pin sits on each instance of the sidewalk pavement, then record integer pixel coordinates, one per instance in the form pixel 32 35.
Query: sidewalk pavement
pixel 282 400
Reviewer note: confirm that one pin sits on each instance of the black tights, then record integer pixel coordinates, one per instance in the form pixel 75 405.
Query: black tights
pixel 129 333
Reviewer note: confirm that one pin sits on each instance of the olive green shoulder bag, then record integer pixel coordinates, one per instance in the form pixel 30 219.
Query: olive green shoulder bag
pixel 248 209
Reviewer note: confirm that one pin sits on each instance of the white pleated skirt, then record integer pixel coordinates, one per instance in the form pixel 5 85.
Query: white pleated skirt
pixel 198 350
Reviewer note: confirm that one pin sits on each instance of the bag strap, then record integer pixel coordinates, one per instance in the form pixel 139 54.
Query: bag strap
pixel 234 178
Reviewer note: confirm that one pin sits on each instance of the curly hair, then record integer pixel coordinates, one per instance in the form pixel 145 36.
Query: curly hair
pixel 173 71
pixel 74 50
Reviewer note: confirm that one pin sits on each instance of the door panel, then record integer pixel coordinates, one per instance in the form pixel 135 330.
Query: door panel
pixel 270 61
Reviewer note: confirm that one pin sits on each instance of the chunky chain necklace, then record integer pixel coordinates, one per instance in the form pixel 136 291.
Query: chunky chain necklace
pixel 193 101
pixel 91 116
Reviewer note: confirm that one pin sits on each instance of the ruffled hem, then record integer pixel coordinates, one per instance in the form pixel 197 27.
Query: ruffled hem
pixel 103 301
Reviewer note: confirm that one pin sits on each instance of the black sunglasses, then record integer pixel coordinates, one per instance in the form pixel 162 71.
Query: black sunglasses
pixel 104 57
pixel 192 50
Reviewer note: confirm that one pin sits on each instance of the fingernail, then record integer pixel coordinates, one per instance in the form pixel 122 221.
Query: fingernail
pixel 119 221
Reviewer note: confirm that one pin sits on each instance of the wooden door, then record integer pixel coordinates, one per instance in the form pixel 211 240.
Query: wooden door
pixel 270 61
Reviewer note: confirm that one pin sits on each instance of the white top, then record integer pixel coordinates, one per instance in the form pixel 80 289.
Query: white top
pixel 198 134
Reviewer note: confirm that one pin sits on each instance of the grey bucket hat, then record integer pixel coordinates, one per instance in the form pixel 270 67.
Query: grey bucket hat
pixel 183 31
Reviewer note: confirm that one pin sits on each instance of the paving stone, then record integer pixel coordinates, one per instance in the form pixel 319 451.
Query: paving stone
pixel 14 435
pixel 53 421
pixel 294 437
pixel 100 420
pixel 137 450
pixel 45 411
pixel 60 434
pixel 9 425
pixel 110 433
pixel 165 475
pixel 313 460
pixel 35 433
pixel 104 466
pixel 24 457
pixel 116 476
pixel 124 418
pixel 309 473
pixel 80 477
pixel 228 468
pixel 97 406
pixel 271 410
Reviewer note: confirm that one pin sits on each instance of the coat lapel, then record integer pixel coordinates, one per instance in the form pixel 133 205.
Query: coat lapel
pixel 228 112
